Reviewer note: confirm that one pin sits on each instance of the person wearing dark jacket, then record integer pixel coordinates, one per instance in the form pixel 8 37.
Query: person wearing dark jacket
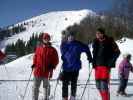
pixel 71 50
pixel 44 62
pixel 105 52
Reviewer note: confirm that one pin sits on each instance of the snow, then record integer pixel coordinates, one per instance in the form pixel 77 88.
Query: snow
pixel 20 69
pixel 53 23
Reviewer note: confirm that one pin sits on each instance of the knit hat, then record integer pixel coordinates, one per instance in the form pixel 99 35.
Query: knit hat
pixel 101 30
pixel 46 36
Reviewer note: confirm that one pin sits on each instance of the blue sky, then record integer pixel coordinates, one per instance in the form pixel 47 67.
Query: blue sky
pixel 14 11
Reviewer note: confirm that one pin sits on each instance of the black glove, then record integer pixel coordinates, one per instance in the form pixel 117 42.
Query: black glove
pixel 32 66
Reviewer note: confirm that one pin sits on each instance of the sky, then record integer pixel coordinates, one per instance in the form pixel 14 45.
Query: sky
pixel 14 11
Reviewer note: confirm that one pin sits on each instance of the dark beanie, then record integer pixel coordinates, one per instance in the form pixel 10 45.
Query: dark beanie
pixel 101 30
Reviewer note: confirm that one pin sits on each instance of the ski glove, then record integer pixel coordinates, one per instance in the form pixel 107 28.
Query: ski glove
pixel 32 66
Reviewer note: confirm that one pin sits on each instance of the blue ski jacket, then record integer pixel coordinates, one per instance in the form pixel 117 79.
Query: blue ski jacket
pixel 71 52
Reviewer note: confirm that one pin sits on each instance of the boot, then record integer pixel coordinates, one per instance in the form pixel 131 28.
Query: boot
pixel 46 93
pixel 105 95
pixel 35 94
pixel 65 98
pixel 72 98
pixel 124 94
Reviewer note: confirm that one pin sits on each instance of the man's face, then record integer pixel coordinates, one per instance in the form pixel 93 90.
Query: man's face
pixel 70 38
pixel 64 37
pixel 46 41
pixel 99 35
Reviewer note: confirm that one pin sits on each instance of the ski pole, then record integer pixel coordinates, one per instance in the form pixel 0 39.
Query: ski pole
pixel 57 83
pixel 86 82
pixel 56 88
pixel 27 86
pixel 6 70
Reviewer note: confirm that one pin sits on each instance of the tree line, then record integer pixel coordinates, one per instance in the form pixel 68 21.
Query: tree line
pixel 117 21
pixel 11 30
pixel 21 48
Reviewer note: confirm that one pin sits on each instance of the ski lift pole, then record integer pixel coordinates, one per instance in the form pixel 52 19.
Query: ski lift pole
pixel 27 86
pixel 90 71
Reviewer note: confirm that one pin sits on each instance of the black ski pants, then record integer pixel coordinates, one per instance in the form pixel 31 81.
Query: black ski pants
pixel 69 78
pixel 123 85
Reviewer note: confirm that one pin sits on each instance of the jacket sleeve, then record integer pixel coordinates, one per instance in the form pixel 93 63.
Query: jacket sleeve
pixel 55 58
pixel 131 67
pixel 116 50
pixel 121 68
pixel 115 53
pixel 2 55
pixel 94 51
pixel 63 49
pixel 85 48
pixel 35 56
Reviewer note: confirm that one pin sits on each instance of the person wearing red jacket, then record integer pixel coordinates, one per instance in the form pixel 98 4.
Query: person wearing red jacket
pixel 105 52
pixel 2 55
pixel 45 61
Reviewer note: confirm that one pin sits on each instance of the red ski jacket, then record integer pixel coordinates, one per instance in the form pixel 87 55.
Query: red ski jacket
pixel 2 55
pixel 45 60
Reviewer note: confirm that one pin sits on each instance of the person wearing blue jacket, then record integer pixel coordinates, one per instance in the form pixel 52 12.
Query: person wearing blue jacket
pixel 71 50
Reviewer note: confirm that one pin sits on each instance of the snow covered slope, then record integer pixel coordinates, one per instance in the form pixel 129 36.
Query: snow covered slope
pixel 53 23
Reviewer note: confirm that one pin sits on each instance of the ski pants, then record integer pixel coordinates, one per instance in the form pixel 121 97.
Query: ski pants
pixel 69 78
pixel 36 86
pixel 102 86
pixel 123 84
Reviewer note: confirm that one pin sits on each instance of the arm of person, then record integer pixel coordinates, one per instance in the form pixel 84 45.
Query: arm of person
pixel 35 58
pixel 115 48
pixel 85 48
pixel 2 55
pixel 54 60
pixel 115 53
pixel 121 69
pixel 131 68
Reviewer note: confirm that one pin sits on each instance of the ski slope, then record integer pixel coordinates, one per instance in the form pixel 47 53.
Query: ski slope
pixel 53 23
pixel 14 75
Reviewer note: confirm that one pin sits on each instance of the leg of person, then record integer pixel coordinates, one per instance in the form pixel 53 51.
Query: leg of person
pixel 36 85
pixel 74 78
pixel 124 87
pixel 65 82
pixel 104 90
pixel 46 87
pixel 98 86
pixel 120 88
